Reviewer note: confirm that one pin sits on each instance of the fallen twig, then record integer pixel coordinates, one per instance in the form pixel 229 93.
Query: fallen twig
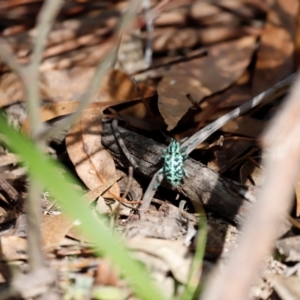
pixel 278 90
pixel 226 198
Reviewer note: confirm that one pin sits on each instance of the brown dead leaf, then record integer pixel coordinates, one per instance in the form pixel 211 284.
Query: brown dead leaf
pixel 214 106
pixel 51 111
pixel 106 274
pixel 245 126
pixel 202 77
pixel 275 59
pixel 11 89
pixel 62 108
pixel 54 228
pixel 171 253
pixel 71 84
pixel 115 89
pixel 217 105
pixel 75 233
pixel 92 195
pixel 234 96
pixel 93 164
pixel 226 157
pixel 13 248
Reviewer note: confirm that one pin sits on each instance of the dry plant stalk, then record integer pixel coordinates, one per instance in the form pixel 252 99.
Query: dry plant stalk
pixel 29 76
pixel 274 202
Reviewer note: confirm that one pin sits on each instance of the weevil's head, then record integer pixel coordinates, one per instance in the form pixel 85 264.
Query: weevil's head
pixel 174 147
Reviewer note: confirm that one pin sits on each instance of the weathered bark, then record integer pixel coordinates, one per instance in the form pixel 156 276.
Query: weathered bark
pixel 226 198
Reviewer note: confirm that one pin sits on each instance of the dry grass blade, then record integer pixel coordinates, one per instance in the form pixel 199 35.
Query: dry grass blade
pixel 29 79
pixel 265 97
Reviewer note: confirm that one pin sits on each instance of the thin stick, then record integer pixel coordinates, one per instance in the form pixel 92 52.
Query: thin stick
pixel 45 20
pixel 150 192
pixel 29 77
pixel 173 61
pixel 274 92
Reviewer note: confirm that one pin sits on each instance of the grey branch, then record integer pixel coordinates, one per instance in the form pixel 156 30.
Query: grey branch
pixel 230 200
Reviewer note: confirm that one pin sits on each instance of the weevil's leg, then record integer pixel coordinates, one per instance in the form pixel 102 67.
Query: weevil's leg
pixel 160 172
pixel 164 152
pixel 185 173
pixel 182 150
pixel 184 156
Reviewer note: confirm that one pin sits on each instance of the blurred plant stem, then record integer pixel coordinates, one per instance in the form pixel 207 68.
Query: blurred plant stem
pixel 29 76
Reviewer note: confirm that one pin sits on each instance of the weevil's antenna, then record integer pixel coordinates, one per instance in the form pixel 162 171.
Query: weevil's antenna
pixel 137 88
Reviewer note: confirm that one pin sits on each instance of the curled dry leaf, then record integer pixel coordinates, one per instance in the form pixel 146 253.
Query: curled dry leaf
pixel 93 164
pixel 202 77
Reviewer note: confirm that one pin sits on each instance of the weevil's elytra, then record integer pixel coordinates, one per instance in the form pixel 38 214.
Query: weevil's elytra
pixel 173 163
